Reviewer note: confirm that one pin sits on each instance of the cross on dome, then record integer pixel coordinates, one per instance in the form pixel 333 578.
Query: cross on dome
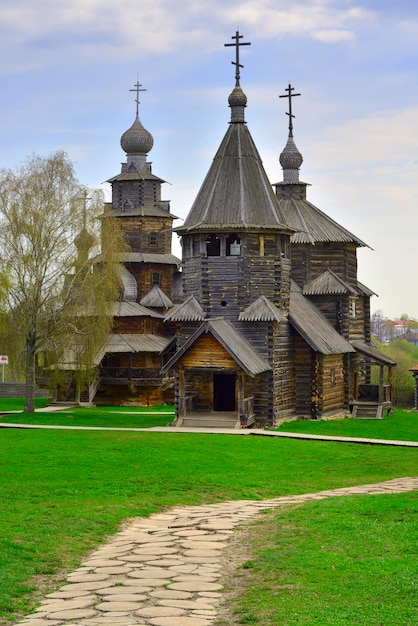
pixel 290 95
pixel 237 44
pixel 137 89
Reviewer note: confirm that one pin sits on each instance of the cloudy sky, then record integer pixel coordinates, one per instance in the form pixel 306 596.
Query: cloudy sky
pixel 67 68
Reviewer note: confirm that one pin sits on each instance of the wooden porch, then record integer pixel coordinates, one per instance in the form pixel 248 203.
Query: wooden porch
pixel 190 416
pixel 372 401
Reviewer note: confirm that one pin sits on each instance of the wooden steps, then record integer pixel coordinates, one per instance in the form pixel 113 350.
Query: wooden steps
pixel 370 410
pixel 217 419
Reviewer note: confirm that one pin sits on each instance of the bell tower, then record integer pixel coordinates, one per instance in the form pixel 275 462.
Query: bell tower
pixel 235 239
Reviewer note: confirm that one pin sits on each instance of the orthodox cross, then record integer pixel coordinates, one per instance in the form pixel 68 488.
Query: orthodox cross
pixel 237 44
pixel 137 89
pixel 84 198
pixel 290 95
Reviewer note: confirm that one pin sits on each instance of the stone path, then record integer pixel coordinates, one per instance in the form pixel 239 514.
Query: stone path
pixel 164 570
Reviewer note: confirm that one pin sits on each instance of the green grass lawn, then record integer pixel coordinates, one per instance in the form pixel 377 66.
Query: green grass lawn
pixel 113 417
pixel 18 404
pixel 349 560
pixel 63 492
pixel 401 425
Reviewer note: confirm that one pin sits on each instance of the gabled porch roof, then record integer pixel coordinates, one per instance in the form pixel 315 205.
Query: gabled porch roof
pixel 373 353
pixel 233 342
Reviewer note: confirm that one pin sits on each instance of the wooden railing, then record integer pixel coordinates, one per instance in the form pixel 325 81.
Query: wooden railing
pixel 187 404
pixel 375 393
pixel 248 406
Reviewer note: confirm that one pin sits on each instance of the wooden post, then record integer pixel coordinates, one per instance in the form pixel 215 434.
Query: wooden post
pixel 182 399
pixel 355 385
pixel 390 382
pixel 241 392
pixel 381 383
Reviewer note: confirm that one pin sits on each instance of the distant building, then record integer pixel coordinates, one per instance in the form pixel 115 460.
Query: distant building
pixel 386 330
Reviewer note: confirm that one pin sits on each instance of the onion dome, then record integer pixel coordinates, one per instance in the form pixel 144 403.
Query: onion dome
pixel 136 140
pixel 291 160
pixel 237 101
pixel 84 240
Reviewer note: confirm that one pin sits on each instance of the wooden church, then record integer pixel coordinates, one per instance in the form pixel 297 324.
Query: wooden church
pixel 130 362
pixel 274 323
pixel 263 319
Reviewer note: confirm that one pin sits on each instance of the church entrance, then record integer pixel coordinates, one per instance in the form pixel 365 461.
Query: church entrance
pixel 224 396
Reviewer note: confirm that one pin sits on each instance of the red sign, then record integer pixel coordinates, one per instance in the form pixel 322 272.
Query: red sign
pixel 4 359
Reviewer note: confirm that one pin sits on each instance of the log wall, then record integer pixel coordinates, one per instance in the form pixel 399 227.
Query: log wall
pixel 303 370
pixel 144 276
pixel 138 326
pixel 138 231
pixel 308 261
pixel 283 371
pixel 206 352
pixel 333 384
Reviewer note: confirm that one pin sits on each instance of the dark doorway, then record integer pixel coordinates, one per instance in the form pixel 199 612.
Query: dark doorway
pixel 224 392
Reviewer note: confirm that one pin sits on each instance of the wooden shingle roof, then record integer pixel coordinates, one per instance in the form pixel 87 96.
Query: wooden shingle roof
pixel 115 343
pixel 156 299
pixel 328 283
pixel 143 257
pixel 188 311
pixel 314 327
pixel 262 310
pixel 236 193
pixel 129 284
pixel 136 343
pixel 365 291
pixel 312 225
pixel 233 342
pixel 127 308
pixel 373 353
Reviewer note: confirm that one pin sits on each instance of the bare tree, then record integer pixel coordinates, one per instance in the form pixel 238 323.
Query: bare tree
pixel 61 279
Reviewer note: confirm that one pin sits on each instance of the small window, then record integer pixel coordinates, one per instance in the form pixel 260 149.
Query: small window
pixel 353 309
pixel 233 246
pixel 213 245
pixel 156 278
pixel 153 239
pixel 283 246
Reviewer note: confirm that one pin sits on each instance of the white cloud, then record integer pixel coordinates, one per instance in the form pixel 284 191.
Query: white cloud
pixel 383 142
pixel 333 36
pixel 47 31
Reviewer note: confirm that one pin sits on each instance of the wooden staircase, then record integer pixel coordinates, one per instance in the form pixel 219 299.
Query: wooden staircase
pixel 370 410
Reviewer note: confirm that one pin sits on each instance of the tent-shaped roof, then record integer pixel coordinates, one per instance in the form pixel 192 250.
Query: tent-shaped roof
pixel 233 342
pixel 236 194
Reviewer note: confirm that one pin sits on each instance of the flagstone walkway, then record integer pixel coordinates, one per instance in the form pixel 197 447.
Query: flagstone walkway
pixel 165 570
